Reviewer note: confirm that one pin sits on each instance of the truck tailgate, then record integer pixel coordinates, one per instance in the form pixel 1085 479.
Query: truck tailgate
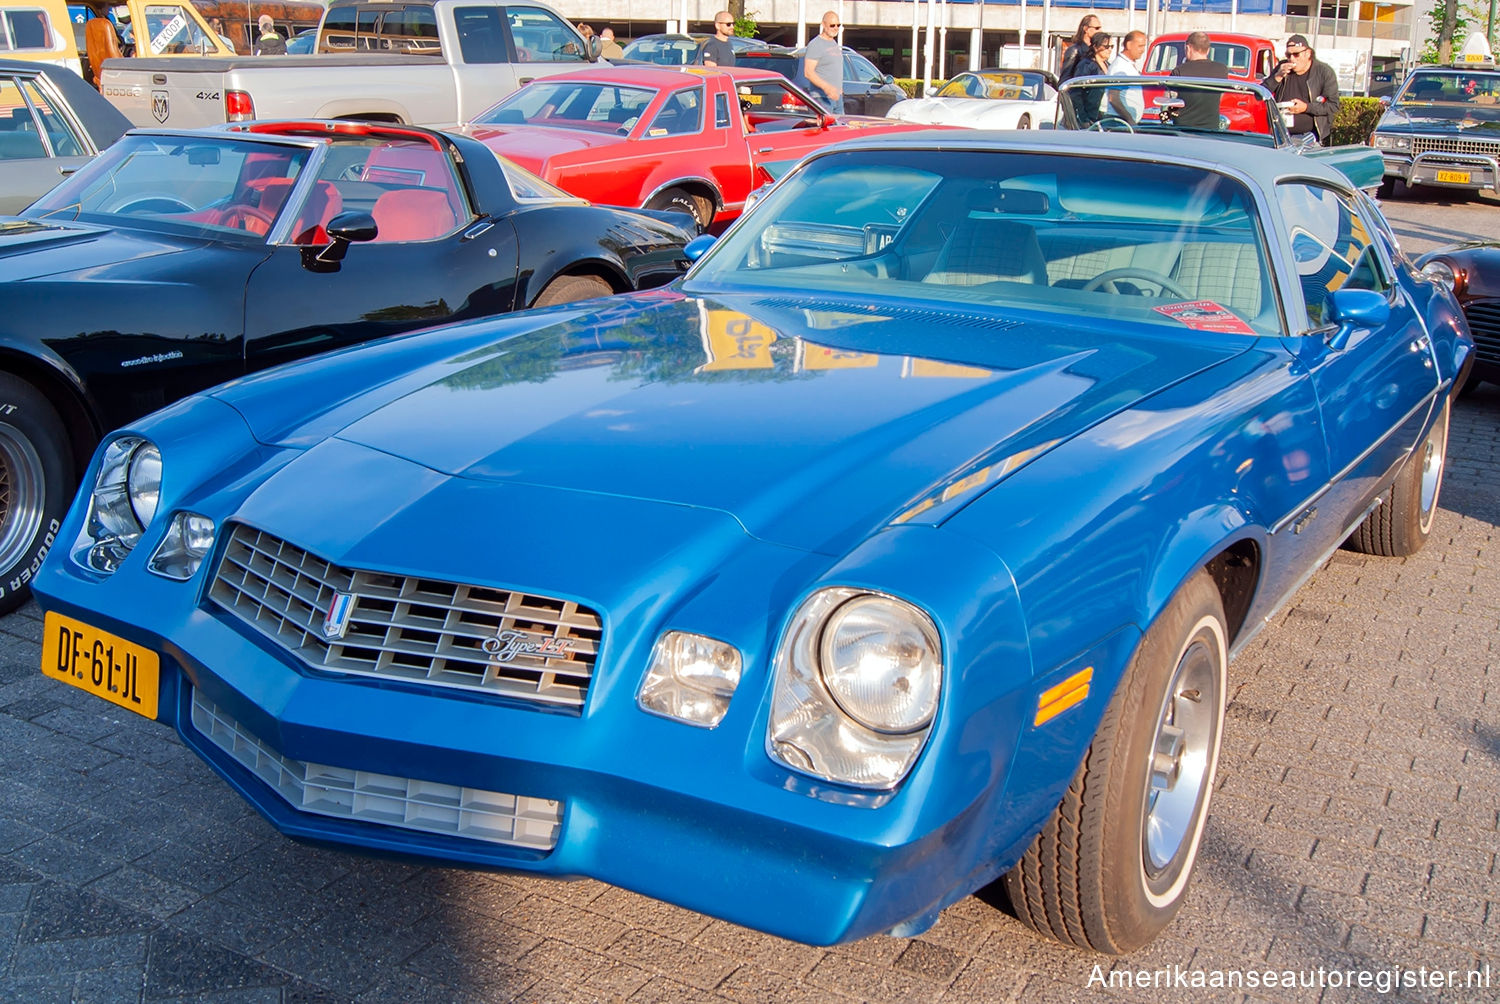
pixel 181 93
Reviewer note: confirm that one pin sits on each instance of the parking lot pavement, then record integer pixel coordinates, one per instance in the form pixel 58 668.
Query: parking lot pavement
pixel 1354 830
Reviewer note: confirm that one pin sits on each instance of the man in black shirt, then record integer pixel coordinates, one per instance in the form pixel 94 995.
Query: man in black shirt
pixel 1199 111
pixel 1308 88
pixel 717 51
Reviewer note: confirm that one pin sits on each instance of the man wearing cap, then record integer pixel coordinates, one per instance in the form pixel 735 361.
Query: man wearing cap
pixel 1307 88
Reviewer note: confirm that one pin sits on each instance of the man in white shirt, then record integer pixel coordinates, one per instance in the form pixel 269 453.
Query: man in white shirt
pixel 1126 101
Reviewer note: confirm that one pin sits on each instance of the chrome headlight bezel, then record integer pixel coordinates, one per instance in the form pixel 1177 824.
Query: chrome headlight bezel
pixel 123 502
pixel 811 732
pixel 1391 141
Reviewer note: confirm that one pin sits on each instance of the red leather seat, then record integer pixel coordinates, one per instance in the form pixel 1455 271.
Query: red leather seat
pixel 413 214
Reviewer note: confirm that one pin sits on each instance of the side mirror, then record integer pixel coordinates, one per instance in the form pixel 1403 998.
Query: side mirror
pixel 695 248
pixel 343 230
pixel 889 79
pixel 1354 309
pixel 1385 100
pixel 594 46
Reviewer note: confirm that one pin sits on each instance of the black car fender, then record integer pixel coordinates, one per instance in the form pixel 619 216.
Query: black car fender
pixel 61 385
pixel 625 249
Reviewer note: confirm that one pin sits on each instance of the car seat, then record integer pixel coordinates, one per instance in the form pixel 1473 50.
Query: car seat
pixel 413 214
pixel 100 43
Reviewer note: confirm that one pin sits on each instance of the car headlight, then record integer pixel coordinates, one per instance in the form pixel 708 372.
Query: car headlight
pixel 183 547
pixel 691 678
pixel 880 664
pixel 1389 141
pixel 858 678
pixel 126 493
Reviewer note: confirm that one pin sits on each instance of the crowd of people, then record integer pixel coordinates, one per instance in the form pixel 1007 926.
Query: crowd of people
pixel 1303 86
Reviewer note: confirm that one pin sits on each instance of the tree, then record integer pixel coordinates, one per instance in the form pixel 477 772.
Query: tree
pixel 1450 21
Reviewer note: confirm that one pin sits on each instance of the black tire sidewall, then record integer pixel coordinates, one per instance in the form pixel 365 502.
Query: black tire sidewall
pixel 27 412
pixel 677 201
pixel 1127 909
pixel 557 287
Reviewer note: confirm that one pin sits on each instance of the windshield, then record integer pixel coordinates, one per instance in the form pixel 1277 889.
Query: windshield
pixel 213 183
pixel 1230 110
pixel 572 104
pixel 1455 94
pixel 663 51
pixel 1000 86
pixel 527 187
pixel 1166 55
pixel 1093 237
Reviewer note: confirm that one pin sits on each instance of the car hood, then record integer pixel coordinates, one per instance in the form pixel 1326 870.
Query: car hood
pixel 811 422
pixel 1424 119
pixel 35 249
pixel 531 146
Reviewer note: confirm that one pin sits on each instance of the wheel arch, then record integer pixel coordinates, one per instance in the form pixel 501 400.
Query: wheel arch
pixel 1221 540
pixel 609 271
pixel 693 185
pixel 62 388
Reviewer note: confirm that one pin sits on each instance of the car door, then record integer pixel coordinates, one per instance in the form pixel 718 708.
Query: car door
pixel 432 260
pixel 39 142
pixel 1375 391
pixel 866 91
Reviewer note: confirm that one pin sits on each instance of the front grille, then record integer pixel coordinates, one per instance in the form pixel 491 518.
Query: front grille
pixel 408 628
pixel 1454 144
pixel 407 803
pixel 1484 321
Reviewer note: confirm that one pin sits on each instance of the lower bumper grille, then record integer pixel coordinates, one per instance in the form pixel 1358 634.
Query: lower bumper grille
pixel 1484 322
pixel 406 803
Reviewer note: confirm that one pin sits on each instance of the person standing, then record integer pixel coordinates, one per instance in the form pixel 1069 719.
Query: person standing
pixel 1091 64
pixel 823 65
pixel 1126 102
pixel 610 49
pixel 216 25
pixel 269 43
pixel 1307 88
pixel 717 51
pixel 1078 47
pixel 1200 110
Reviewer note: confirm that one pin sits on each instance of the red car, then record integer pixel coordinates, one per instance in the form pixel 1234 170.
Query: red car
pixel 1249 57
pixel 695 139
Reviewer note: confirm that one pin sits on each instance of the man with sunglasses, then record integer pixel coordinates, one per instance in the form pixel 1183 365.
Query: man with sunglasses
pixel 1307 88
pixel 717 51
pixel 823 65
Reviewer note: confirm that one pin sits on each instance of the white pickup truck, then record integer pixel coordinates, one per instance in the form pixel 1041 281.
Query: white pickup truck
pixel 416 62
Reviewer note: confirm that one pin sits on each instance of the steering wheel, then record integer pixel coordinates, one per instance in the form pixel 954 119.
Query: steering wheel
pixel 1099 126
pixel 155 205
pixel 246 218
pixel 1104 279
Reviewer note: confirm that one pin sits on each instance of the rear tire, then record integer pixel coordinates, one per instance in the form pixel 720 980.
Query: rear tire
pixel 1111 867
pixel 36 483
pixel 1401 526
pixel 568 288
pixel 677 201
pixel 1390 188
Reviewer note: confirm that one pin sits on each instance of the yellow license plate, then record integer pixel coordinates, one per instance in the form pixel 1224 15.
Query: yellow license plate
pixel 103 664
pixel 1454 177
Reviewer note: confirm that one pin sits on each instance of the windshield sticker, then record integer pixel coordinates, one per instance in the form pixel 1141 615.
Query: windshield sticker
pixel 1206 315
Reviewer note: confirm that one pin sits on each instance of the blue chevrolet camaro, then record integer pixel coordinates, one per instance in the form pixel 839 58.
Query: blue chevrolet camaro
pixel 901 546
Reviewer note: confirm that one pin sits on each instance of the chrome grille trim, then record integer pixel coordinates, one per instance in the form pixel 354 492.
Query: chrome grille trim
pixel 1453 144
pixel 405 627
pixel 1484 322
pixel 402 802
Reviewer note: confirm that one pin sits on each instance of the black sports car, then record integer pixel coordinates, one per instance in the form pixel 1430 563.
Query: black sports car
pixel 177 260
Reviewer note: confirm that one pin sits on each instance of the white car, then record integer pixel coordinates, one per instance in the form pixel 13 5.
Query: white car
pixel 986 99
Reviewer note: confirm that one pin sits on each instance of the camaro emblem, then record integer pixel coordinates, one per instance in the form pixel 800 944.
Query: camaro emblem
pixel 159 105
pixel 506 645
pixel 336 621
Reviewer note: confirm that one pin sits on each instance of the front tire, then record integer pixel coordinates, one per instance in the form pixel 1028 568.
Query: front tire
pixel 36 467
pixel 1111 867
pixel 1402 526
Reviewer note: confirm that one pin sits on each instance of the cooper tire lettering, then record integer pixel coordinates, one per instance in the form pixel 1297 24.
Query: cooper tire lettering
pixel 36 465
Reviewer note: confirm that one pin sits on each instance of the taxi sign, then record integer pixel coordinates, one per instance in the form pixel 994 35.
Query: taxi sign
pixel 1475 53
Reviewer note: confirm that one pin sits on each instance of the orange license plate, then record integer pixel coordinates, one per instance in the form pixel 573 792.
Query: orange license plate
pixel 1454 177
pixel 103 664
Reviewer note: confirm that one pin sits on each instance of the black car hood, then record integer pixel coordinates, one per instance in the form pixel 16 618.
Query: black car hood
pixel 36 249
pixel 1442 119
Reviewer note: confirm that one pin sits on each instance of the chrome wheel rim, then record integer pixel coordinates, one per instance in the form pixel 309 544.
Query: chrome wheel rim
pixel 21 495
pixel 1433 454
pixel 1181 752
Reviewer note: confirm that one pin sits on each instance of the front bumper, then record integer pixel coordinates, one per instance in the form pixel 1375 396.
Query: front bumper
pixel 1443 170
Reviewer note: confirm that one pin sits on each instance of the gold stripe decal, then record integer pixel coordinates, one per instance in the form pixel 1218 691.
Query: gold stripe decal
pixel 1055 700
